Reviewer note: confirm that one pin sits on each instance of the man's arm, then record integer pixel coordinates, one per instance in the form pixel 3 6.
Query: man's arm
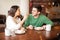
pixel 47 21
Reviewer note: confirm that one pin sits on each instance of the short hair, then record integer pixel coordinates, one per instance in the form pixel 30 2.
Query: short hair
pixel 12 10
pixel 39 8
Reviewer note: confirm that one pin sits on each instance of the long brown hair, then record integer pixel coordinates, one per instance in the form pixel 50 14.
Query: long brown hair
pixel 13 10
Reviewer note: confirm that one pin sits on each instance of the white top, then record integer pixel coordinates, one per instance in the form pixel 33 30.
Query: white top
pixel 10 24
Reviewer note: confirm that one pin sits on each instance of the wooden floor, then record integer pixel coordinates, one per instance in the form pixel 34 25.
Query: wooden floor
pixel 34 35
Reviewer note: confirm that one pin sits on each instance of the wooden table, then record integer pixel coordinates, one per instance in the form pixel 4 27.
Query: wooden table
pixel 32 35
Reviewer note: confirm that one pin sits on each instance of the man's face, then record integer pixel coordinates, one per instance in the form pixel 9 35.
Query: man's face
pixel 35 12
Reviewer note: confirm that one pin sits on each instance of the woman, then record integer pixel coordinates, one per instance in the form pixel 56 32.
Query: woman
pixel 13 22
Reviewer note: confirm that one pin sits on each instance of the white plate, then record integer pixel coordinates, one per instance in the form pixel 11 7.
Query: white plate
pixel 19 32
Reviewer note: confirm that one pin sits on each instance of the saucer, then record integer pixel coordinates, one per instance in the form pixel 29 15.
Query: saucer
pixel 19 32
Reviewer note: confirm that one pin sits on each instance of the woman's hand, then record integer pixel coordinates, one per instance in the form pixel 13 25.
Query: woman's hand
pixel 15 20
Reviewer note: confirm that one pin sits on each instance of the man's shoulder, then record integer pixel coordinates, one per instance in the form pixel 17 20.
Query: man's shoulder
pixel 42 16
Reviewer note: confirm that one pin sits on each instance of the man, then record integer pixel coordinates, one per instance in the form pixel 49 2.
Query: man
pixel 37 19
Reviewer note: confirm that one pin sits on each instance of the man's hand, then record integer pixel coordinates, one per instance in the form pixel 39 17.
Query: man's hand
pixel 44 26
pixel 30 27
pixel 38 28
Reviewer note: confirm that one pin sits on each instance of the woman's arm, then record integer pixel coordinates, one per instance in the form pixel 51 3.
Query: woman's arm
pixel 23 20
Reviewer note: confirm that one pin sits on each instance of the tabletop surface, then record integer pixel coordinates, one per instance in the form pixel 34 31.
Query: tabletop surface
pixel 32 35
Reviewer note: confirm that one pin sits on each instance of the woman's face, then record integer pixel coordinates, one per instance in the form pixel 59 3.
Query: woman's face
pixel 17 12
pixel 35 12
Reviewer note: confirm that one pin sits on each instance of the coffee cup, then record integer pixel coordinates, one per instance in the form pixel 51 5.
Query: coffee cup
pixel 48 27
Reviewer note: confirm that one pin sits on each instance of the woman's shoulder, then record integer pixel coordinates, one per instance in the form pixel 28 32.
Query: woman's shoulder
pixel 9 17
